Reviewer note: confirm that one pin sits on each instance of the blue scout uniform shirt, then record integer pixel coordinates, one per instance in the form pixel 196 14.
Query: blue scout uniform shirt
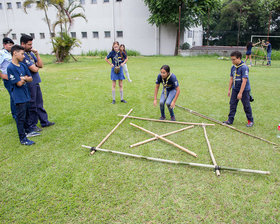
pixel 170 83
pixel 116 58
pixel 20 94
pixel 5 60
pixel 269 48
pixel 30 59
pixel 238 72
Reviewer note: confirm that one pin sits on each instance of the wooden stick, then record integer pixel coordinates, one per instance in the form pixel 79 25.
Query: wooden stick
pixel 210 151
pixel 178 162
pixel 111 132
pixel 164 135
pixel 166 140
pixel 166 121
pixel 226 125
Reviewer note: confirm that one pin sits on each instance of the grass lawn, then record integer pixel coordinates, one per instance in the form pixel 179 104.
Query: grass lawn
pixel 57 181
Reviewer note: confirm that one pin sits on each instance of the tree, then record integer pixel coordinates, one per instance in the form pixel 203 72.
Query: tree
pixel 165 12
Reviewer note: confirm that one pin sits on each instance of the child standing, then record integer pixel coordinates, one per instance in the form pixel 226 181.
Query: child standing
pixel 116 69
pixel 19 75
pixel 170 91
pixel 122 50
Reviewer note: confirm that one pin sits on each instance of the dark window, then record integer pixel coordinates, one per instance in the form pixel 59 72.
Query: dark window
pixel 73 34
pixel 18 5
pixel 42 35
pixel 14 36
pixel 28 6
pixel 84 34
pixel 93 1
pixel 118 0
pixel 1 7
pixel 95 34
pixel 9 5
pixel 106 0
pixel 82 2
pixel 107 34
pixel 52 34
pixel 32 35
pixel 119 33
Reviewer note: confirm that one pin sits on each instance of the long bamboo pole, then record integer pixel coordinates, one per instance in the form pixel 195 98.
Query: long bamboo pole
pixel 166 140
pixel 111 132
pixel 166 121
pixel 178 162
pixel 210 151
pixel 164 135
pixel 226 125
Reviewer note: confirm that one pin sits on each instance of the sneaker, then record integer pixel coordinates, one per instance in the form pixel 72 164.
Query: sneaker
pixel 48 124
pixel 32 134
pixel 123 101
pixel 26 141
pixel 37 129
pixel 250 124
pixel 162 118
pixel 129 80
pixel 114 102
pixel 227 122
pixel 173 118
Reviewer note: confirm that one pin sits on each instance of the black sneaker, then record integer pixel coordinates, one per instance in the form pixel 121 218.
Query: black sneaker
pixel 227 122
pixel 32 134
pixel 48 124
pixel 114 102
pixel 162 118
pixel 123 101
pixel 26 141
pixel 173 118
pixel 250 124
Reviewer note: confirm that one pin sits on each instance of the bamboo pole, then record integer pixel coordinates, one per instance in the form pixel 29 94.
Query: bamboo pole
pixel 164 135
pixel 111 132
pixel 166 121
pixel 226 125
pixel 166 140
pixel 178 162
pixel 210 151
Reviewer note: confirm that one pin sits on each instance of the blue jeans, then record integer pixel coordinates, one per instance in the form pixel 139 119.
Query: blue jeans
pixel 12 104
pixel 22 115
pixel 269 58
pixel 168 100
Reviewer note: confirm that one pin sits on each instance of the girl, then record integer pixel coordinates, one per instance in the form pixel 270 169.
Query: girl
pixel 170 91
pixel 116 69
pixel 249 47
pixel 122 50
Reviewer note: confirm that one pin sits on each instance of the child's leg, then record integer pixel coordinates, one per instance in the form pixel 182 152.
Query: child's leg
pixel 246 58
pixel 250 57
pixel 161 104
pixel 21 119
pixel 126 72
pixel 114 89
pixel 170 96
pixel 121 88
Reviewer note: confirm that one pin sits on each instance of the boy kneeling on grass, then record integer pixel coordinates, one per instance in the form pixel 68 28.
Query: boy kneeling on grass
pixel 18 76
pixel 170 91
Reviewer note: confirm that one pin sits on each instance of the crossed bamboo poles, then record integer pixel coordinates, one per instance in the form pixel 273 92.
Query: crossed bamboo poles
pixel 215 166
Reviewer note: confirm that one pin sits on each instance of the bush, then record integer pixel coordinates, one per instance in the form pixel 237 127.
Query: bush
pixel 185 46
pixel 104 53
pixel 132 53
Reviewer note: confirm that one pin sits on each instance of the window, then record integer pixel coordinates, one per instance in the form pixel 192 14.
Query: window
pixel 52 34
pixel 118 0
pixel 84 34
pixel 42 35
pixel 107 34
pixel 32 35
pixel 106 0
pixel 28 6
pixel 9 5
pixel 14 36
pixel 95 34
pixel 73 34
pixel 190 33
pixel 1 7
pixel 82 2
pixel 119 33
pixel 18 5
pixel 93 1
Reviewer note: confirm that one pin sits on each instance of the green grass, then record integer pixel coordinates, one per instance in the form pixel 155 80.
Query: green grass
pixel 57 181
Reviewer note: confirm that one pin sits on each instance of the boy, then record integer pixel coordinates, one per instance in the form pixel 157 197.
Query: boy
pixel 240 85
pixel 269 51
pixel 18 76
pixel 169 93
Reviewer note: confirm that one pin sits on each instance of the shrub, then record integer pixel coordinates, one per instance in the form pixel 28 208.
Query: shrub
pixel 185 46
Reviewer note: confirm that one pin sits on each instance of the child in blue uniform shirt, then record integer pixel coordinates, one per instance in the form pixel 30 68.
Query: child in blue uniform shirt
pixel 170 91
pixel 118 60
pixel 269 52
pixel 18 76
pixel 239 88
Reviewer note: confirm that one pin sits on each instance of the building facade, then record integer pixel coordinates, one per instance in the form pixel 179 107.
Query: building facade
pixel 108 20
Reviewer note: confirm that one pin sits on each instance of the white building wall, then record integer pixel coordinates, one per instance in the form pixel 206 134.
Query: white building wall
pixel 128 16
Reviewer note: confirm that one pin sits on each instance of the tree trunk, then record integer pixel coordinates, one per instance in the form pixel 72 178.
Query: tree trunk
pixel 177 41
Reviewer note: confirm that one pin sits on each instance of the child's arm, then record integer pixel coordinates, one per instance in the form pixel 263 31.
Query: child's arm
pixel 244 81
pixel 155 95
pixel 28 78
pixel 3 76
pixel 111 64
pixel 175 98
pixel 230 85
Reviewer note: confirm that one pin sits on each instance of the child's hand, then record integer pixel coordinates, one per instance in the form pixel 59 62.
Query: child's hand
pixel 228 93
pixel 155 103
pixel 172 105
pixel 112 66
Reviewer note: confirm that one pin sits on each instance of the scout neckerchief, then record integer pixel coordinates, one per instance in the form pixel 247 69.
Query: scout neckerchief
pixel 165 84
pixel 30 57
pixel 116 59
pixel 236 67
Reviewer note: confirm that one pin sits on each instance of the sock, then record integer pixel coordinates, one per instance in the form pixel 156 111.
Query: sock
pixel 114 94
pixel 121 93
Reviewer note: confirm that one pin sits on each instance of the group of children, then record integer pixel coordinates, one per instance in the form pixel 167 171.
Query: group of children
pixel 266 44
pixel 19 66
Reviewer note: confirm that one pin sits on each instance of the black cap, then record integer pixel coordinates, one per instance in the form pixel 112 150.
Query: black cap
pixel 7 40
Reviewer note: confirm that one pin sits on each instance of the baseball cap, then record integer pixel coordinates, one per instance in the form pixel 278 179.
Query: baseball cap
pixel 7 40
